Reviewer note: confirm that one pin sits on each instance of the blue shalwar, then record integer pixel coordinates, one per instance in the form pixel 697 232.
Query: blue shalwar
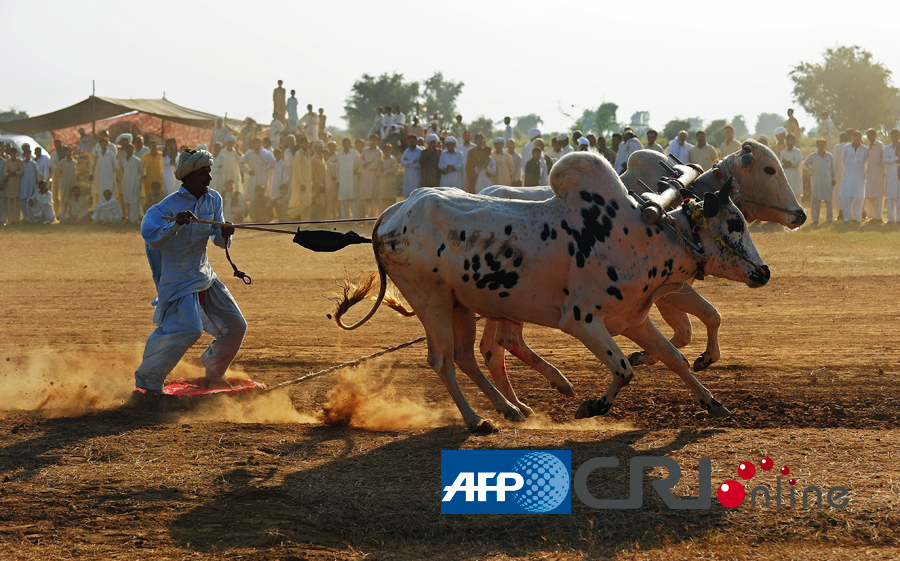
pixel 190 298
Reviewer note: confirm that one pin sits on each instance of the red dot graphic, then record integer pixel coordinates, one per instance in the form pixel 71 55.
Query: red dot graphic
pixel 792 481
pixel 746 470
pixel 785 470
pixel 766 463
pixel 731 494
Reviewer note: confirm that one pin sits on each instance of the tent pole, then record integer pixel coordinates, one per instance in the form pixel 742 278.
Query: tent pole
pixel 93 117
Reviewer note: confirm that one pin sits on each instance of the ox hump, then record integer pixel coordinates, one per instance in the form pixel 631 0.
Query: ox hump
pixel 586 171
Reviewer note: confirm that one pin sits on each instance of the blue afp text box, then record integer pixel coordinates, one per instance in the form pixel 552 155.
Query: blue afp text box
pixel 506 482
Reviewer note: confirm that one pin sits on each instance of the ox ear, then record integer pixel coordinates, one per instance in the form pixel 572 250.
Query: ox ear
pixel 725 191
pixel 747 155
pixel 710 205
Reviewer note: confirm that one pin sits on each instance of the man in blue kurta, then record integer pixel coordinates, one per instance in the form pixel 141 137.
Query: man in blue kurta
pixel 190 298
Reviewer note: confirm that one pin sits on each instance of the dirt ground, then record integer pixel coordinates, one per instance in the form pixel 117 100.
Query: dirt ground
pixel 809 369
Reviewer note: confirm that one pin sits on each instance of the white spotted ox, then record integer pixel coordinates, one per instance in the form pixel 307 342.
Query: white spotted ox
pixel 582 262
pixel 761 192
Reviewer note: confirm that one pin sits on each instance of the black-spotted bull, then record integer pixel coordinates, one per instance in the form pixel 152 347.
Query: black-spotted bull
pixel 761 192
pixel 582 262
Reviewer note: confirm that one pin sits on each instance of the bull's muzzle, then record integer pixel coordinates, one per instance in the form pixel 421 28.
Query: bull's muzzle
pixel 760 279
pixel 799 218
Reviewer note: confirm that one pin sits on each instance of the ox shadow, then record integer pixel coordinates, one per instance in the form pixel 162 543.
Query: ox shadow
pixel 59 434
pixel 387 501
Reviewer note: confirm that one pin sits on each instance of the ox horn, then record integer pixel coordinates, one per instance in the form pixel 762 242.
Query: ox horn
pixel 725 191
pixel 747 156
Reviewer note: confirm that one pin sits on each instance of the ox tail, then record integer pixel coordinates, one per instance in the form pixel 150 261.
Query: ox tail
pixel 353 294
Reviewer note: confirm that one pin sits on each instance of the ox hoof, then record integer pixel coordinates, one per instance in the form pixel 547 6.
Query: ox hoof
pixel 702 362
pixel 593 407
pixel 716 409
pixel 484 426
pixel 567 390
pixel 641 358
pixel 518 415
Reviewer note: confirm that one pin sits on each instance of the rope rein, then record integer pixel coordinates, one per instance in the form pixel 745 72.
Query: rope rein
pixel 694 212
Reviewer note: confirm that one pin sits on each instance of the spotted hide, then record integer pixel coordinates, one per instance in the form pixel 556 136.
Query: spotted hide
pixel 582 262
pixel 762 193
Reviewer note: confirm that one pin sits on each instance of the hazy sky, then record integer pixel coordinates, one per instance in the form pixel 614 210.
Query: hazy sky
pixel 707 59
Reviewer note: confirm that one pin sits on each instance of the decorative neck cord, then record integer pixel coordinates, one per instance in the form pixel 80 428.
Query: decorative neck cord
pixel 694 213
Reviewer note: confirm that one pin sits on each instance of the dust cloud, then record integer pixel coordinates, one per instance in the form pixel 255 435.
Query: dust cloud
pixel 365 398
pixel 65 384
pixel 275 407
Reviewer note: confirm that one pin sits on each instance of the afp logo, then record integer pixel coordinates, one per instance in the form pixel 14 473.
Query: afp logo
pixel 506 482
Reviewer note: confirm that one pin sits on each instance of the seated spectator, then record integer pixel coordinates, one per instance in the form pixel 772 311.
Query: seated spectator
pixel 154 196
pixel 76 210
pixel 40 205
pixel 282 203
pixel 107 210
pixel 233 205
pixel 261 206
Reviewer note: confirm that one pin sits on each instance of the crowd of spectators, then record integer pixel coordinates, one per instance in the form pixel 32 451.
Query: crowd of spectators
pixel 295 170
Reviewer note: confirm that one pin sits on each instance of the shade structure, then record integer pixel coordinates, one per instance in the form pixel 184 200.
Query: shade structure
pixel 159 116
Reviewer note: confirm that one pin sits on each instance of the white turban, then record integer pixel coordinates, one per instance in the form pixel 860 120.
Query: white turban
pixel 534 133
pixel 583 141
pixel 780 130
pixel 192 160
pixel 230 138
pixel 124 136
pixel 431 137
pixel 450 140
pixel 202 147
pixel 499 139
pixel 562 136
pixel 319 144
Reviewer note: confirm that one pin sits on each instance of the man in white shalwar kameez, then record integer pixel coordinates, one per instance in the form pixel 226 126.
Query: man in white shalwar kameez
pixel 190 298
pixel 300 204
pixel 630 145
pixel 891 161
pixel 310 124
pixel 40 205
pixel 463 149
pixel 104 168
pixel 256 163
pixel 823 176
pixel 412 169
pixel 281 175
pixel 839 166
pixel 827 130
pixel 452 164
pixel 229 160
pixel 369 165
pixel 791 159
pixel 378 122
pixel 875 176
pixel 132 173
pixel 276 127
pixel 347 162
pixel 853 183
pixel 107 210
pixel 293 115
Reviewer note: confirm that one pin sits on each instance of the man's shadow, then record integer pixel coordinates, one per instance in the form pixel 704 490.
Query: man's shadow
pixel 388 499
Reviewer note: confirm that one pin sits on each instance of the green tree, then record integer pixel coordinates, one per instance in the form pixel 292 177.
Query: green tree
pixel 525 123
pixel 12 114
pixel 851 85
pixel 606 118
pixel 715 134
pixel 673 127
pixel 440 96
pixel 485 126
pixel 369 92
pixel 766 123
pixel 740 127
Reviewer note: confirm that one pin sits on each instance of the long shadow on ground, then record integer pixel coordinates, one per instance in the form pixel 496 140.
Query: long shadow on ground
pixel 388 501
